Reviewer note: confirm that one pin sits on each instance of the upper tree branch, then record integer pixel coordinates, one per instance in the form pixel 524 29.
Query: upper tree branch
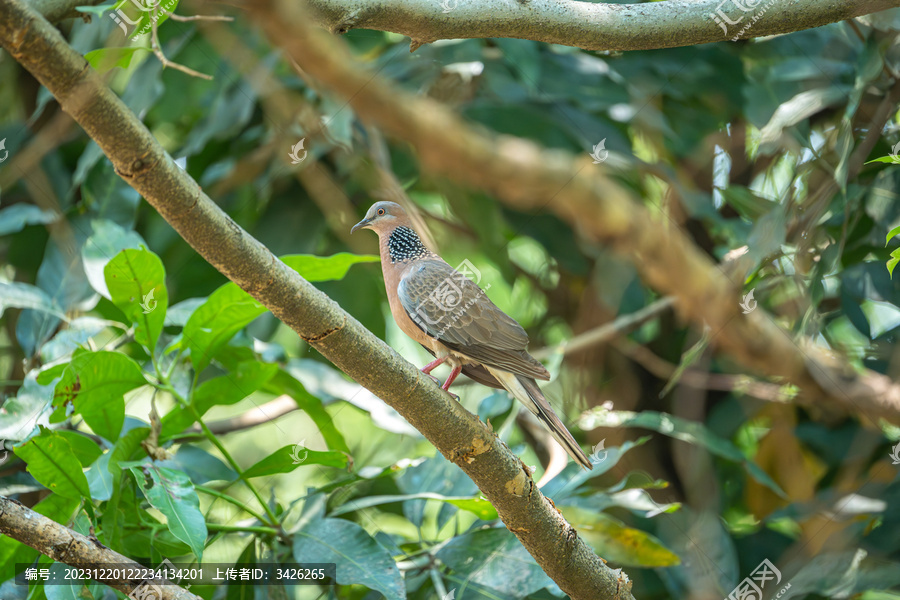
pixel 529 178
pixel 592 26
pixel 459 435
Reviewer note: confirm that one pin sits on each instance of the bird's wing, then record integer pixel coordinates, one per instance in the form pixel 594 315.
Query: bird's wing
pixel 451 308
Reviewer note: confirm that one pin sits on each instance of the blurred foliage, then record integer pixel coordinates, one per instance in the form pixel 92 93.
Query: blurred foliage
pixel 117 339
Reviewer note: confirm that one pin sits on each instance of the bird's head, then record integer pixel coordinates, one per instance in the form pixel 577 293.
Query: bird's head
pixel 383 217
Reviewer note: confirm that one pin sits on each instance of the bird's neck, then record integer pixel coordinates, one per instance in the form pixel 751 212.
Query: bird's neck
pixel 403 244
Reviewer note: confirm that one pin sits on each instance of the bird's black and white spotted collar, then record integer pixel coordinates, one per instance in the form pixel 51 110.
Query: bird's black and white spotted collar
pixel 404 245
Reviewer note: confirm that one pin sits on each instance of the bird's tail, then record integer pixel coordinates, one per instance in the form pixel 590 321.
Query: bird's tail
pixel 526 391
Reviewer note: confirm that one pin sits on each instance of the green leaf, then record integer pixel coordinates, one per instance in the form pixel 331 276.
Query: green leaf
pixel 891 234
pixel 227 310
pixel 479 507
pixel 884 159
pixel 325 268
pixel 687 359
pixel 680 429
pixel 614 541
pixel 14 218
pixel 288 458
pixel 359 558
pixel 228 389
pixel 172 493
pixel 136 280
pixel 85 449
pixel 97 383
pixel 236 591
pixel 104 59
pixel 23 295
pixel 285 383
pixel 895 258
pixel 52 462
pixel 495 559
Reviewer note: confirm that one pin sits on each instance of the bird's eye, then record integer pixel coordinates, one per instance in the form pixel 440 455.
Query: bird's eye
pixel 380 211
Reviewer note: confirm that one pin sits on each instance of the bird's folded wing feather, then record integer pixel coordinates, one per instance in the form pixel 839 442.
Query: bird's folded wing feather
pixel 454 310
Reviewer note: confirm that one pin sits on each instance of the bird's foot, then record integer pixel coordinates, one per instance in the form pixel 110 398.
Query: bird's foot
pixel 452 395
pixel 433 378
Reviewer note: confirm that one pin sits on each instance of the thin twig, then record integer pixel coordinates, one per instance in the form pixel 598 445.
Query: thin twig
pixel 184 19
pixel 157 50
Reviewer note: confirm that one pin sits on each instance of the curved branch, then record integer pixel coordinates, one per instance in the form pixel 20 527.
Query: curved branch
pixel 458 434
pixel 592 26
pixel 524 176
pixel 70 547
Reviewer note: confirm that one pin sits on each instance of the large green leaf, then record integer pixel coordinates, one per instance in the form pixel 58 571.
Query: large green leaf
pixel 495 559
pixel 680 429
pixel 85 449
pixel 359 558
pixel 23 295
pixel 227 389
pixel 285 383
pixel 136 280
pixel 325 268
pixel 288 458
pixel 52 462
pixel 172 493
pixel 97 383
pixel 612 540
pixel 104 59
pixel 227 310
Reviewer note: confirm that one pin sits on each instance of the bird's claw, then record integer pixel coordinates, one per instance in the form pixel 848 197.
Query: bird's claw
pixel 433 378
pixel 452 395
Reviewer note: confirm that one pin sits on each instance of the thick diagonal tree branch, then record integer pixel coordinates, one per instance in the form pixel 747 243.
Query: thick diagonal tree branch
pixel 588 25
pixel 66 546
pixel 459 435
pixel 529 178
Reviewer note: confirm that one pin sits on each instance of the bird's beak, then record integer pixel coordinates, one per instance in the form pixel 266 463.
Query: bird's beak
pixel 360 225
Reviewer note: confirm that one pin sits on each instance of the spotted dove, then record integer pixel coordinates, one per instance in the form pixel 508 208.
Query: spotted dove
pixel 454 320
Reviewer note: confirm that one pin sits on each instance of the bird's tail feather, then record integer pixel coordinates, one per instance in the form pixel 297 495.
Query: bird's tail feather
pixel 528 393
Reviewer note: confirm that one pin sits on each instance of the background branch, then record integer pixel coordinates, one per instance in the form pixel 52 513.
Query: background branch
pixel 592 26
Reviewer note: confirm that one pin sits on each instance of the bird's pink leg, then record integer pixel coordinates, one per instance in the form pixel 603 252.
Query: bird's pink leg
pixel 453 375
pixel 433 364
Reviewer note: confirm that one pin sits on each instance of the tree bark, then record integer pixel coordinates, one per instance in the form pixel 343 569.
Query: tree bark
pixel 588 25
pixel 459 435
